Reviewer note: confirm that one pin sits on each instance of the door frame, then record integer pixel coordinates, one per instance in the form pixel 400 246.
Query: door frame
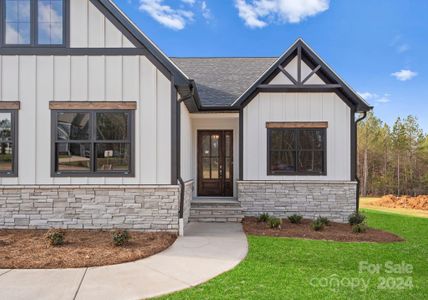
pixel 222 162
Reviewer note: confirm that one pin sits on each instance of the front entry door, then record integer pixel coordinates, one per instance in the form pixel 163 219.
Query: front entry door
pixel 215 163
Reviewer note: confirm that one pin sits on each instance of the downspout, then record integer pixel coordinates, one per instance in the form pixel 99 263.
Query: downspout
pixel 180 180
pixel 356 158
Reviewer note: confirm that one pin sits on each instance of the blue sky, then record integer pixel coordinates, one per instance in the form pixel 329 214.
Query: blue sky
pixel 379 47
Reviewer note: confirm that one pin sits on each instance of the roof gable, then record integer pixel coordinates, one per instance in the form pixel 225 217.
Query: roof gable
pixel 300 69
pixel 114 14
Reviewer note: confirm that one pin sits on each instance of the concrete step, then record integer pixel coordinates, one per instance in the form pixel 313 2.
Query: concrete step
pixel 216 218
pixel 215 210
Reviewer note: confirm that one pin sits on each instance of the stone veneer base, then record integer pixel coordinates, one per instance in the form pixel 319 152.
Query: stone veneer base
pixel 335 200
pixel 139 207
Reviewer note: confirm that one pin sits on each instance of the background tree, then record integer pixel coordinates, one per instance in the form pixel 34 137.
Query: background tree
pixel 392 160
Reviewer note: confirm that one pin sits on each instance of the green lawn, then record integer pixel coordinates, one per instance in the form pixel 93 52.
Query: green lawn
pixel 284 268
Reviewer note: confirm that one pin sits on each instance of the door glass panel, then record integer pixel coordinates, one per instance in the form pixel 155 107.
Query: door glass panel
pixel 228 144
pixel 206 145
pixel 206 168
pixel 215 144
pixel 228 167
pixel 214 168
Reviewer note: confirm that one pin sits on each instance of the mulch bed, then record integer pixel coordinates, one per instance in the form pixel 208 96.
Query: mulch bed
pixel 334 232
pixel 29 249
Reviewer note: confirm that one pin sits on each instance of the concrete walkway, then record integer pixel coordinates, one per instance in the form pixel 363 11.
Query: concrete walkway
pixel 207 250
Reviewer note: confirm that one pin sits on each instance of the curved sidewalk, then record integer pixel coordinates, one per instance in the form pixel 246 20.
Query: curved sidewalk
pixel 207 250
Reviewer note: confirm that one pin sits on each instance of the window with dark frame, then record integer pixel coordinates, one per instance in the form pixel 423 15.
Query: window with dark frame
pixel 8 143
pixel 297 151
pixel 93 142
pixel 33 23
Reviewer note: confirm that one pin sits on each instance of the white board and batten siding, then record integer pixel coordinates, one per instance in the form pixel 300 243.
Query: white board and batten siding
pixel 186 150
pixel 36 80
pixel 89 28
pixel 294 107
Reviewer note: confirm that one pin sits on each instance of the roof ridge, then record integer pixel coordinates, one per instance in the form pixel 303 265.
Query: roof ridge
pixel 220 57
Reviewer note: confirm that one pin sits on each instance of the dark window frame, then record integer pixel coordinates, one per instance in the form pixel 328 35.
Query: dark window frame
pixel 14 138
pixel 34 27
pixel 93 141
pixel 296 131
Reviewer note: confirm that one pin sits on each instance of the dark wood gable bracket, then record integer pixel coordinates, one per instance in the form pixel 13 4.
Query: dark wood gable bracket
pixel 333 83
pixel 304 54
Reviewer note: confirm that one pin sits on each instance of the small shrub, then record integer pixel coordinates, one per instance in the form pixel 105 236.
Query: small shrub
pixel 317 225
pixel 359 228
pixel 55 237
pixel 324 220
pixel 275 223
pixel 120 237
pixel 356 218
pixel 264 217
pixel 295 219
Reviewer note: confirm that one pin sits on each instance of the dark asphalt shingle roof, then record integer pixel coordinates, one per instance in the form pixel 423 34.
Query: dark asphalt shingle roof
pixel 220 81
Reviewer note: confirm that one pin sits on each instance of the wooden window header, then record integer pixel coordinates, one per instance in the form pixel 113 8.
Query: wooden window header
pixel 296 124
pixel 10 105
pixel 116 105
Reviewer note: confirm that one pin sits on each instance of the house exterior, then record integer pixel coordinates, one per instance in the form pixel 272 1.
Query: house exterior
pixel 100 129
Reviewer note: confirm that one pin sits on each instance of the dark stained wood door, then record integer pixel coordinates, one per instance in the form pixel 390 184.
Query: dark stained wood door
pixel 215 163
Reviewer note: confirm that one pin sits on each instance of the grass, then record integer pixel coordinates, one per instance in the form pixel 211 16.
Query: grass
pixel 282 268
pixel 367 202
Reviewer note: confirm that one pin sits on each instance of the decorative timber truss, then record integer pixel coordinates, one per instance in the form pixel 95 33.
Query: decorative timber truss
pixel 300 69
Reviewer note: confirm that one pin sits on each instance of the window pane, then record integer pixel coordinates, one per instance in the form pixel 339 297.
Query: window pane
pixel 310 161
pixel 6 156
pixel 112 126
pixel 5 127
pixel 73 126
pixel 112 157
pixel 310 139
pixel 73 157
pixel 283 161
pixel 50 22
pixel 17 23
pixel 282 139
pixel 6 149
pixel 12 11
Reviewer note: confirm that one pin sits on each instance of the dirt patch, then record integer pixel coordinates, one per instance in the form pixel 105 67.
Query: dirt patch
pixel 417 202
pixel 333 232
pixel 82 248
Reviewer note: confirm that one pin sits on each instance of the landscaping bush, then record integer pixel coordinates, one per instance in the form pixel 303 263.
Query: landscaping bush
pixel 356 218
pixel 120 237
pixel 317 224
pixel 295 219
pixel 360 228
pixel 274 223
pixel 324 220
pixel 55 237
pixel 264 217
